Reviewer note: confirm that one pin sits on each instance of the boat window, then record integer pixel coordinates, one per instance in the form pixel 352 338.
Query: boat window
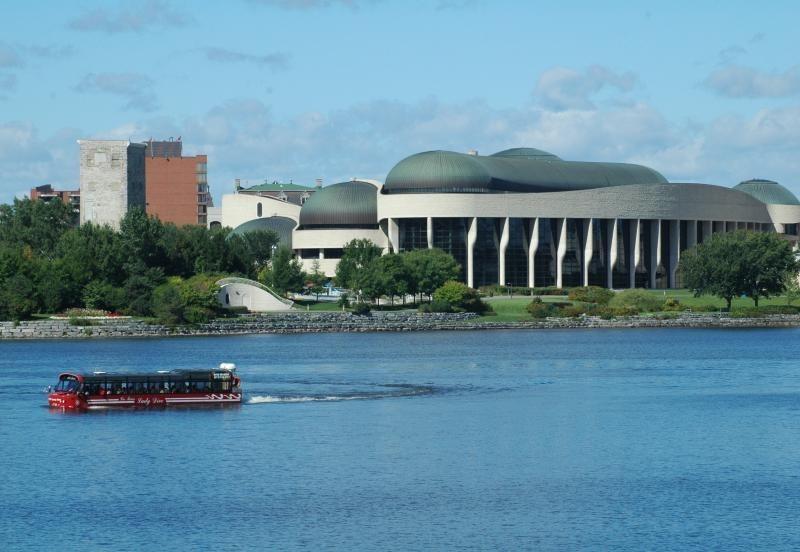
pixel 68 384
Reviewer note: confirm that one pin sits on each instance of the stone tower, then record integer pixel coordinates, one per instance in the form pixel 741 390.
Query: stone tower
pixel 112 180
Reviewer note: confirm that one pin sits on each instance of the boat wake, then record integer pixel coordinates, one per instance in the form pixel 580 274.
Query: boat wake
pixel 384 391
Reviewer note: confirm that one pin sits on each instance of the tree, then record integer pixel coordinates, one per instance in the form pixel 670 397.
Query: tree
pixel 391 274
pixel 755 264
pixel 317 279
pixel 429 269
pixel 259 245
pixel 285 273
pixel 792 289
pixel 37 224
pixel 168 305
pixel 352 270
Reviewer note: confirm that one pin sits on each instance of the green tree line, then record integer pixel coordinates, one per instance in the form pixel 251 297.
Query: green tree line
pixel 48 264
pixel 371 275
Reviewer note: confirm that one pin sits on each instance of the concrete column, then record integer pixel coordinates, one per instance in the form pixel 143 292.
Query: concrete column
pixel 655 250
pixel 561 252
pixel 472 237
pixel 635 254
pixel 429 231
pixel 612 254
pixel 691 233
pixel 588 248
pixel 674 252
pixel 394 235
pixel 707 230
pixel 321 253
pixel 533 246
pixel 501 251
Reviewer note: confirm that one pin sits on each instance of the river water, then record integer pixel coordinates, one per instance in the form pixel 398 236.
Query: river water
pixel 546 440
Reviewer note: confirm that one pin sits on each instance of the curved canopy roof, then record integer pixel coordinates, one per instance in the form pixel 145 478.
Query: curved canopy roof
pixel 527 153
pixel 514 170
pixel 767 191
pixel 282 226
pixel 350 204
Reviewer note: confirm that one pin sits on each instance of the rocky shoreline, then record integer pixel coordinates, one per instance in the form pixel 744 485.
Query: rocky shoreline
pixel 325 322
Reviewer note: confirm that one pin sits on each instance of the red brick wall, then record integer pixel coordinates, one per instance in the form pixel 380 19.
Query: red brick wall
pixel 171 186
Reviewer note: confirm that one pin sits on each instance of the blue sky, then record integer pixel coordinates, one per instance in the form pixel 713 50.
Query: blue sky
pixel 334 89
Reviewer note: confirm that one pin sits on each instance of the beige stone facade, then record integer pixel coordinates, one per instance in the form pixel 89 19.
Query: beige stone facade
pixel 112 180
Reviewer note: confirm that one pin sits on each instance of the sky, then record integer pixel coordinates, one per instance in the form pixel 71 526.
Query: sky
pixel 336 89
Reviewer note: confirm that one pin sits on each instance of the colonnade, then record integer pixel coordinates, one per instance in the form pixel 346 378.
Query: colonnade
pixel 663 254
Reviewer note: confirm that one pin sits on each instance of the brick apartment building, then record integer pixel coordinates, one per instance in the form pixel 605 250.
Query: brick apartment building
pixel 46 193
pixel 177 186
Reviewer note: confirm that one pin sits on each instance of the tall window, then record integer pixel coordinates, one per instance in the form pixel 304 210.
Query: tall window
pixel 450 235
pixel 413 234
pixel 516 258
pixel 259 210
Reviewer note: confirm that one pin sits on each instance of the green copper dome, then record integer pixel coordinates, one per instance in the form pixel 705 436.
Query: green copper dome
pixel 523 170
pixel 767 191
pixel 527 153
pixel 282 226
pixel 351 204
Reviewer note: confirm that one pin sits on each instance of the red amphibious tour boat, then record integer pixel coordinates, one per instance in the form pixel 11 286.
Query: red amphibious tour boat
pixel 163 388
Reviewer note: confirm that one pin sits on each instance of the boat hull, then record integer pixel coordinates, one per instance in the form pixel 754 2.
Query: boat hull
pixel 75 402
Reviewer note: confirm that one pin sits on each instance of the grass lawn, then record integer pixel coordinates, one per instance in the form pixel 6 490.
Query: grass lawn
pixel 327 306
pixel 687 298
pixel 511 309
pixel 317 306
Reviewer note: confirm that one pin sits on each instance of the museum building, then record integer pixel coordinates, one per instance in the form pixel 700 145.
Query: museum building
pixel 523 217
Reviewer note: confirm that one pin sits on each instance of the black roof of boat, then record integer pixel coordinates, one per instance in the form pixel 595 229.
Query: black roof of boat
pixel 187 375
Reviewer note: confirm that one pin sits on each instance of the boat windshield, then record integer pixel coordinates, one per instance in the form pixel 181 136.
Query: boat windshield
pixel 67 384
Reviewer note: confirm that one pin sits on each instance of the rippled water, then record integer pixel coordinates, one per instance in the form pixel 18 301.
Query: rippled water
pixel 596 439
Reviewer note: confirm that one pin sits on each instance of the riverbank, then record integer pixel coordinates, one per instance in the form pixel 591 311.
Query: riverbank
pixel 326 322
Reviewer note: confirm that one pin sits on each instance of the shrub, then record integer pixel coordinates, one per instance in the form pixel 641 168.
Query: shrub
pixel 673 305
pixel 361 308
pixel 760 312
pixel 639 299
pixel 438 305
pixel 344 301
pixel 539 309
pixel 705 308
pixel 571 311
pixel 199 315
pixel 459 297
pixel 73 321
pixel 591 294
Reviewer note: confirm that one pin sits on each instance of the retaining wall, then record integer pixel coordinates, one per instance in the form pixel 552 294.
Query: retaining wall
pixel 305 322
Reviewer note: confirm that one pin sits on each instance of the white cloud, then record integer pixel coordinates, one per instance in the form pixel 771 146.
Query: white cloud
pixel 275 60
pixel 137 89
pixel 9 56
pixel 245 139
pixel 736 81
pixel 563 88
pixel 132 17
pixel 312 4
pixel 28 160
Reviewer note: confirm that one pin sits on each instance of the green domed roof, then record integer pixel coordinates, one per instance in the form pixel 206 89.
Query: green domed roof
pixel 282 226
pixel 527 153
pixel 516 170
pixel 440 169
pixel 350 204
pixel 767 191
